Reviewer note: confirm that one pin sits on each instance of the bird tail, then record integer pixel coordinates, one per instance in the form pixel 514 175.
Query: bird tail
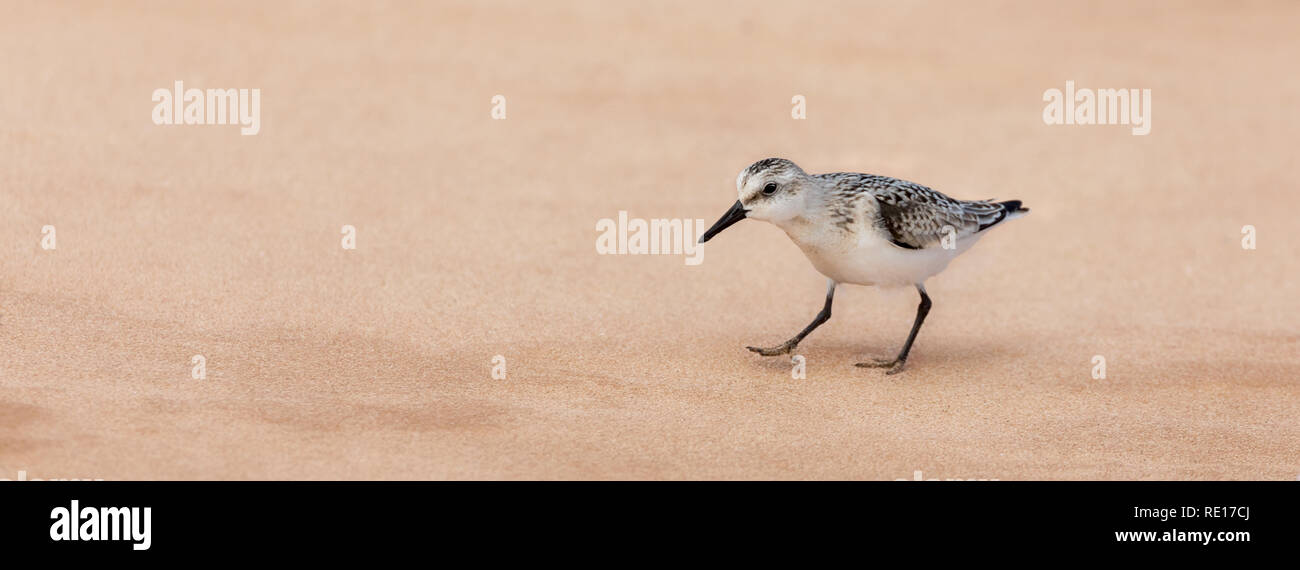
pixel 1013 209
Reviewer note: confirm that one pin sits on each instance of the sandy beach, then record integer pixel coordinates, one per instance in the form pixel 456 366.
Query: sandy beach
pixel 475 238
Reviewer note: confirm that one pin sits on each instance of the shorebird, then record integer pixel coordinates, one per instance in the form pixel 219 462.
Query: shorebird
pixel 862 229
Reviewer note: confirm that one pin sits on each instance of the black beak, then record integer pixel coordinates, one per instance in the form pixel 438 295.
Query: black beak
pixel 735 214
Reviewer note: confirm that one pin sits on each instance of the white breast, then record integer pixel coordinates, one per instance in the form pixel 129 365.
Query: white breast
pixel 871 260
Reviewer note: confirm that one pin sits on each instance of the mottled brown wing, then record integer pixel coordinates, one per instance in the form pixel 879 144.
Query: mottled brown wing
pixel 917 217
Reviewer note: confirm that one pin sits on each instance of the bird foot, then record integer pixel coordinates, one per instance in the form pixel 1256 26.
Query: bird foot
pixel 895 365
pixel 784 348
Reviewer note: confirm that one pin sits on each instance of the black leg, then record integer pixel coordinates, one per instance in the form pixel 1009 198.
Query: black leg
pixel 789 345
pixel 922 310
pixel 896 365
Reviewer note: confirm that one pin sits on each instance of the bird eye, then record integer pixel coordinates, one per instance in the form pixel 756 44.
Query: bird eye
pixel 769 189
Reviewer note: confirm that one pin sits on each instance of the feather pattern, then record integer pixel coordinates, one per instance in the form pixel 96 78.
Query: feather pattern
pixel 913 216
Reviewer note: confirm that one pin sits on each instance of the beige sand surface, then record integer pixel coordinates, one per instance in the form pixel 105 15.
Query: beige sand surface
pixel 476 238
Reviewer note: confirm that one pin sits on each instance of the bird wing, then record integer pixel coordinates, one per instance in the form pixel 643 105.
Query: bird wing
pixel 917 217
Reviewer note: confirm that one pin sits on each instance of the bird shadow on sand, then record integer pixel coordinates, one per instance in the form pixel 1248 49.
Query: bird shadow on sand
pixel 967 352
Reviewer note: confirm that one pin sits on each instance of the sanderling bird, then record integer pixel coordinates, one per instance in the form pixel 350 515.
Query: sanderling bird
pixel 862 229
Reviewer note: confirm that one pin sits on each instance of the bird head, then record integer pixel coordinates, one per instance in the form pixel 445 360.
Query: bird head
pixel 769 190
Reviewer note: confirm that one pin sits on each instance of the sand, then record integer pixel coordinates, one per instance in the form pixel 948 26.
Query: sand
pixel 475 238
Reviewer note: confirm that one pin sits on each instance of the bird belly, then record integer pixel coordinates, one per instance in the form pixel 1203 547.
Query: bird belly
pixel 873 261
